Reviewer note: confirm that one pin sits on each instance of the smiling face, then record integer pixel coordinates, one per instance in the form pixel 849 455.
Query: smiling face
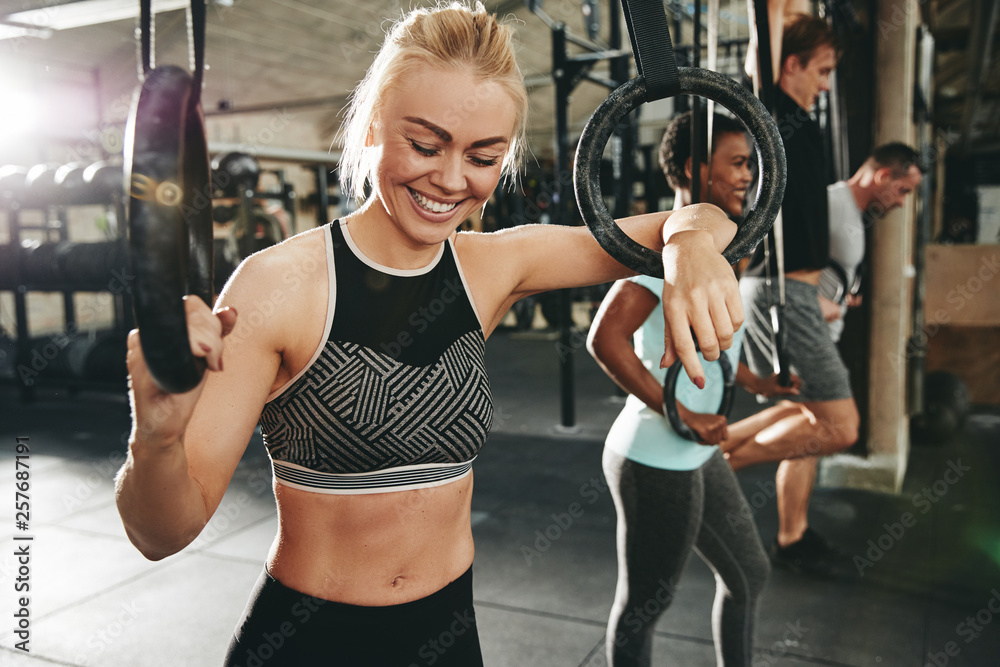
pixel 442 136
pixel 730 173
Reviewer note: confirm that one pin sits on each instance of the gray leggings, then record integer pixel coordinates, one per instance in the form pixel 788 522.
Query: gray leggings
pixel 662 515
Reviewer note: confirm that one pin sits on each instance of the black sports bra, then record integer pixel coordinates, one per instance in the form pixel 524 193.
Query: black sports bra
pixel 397 396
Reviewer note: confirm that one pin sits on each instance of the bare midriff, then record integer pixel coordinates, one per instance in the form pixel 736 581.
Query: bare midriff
pixel 810 276
pixel 373 549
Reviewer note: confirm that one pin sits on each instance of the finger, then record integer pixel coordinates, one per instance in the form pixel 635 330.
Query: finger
pixel 669 344
pixel 723 323
pixel 704 331
pixel 679 334
pixel 134 360
pixel 734 303
pixel 227 316
pixel 204 333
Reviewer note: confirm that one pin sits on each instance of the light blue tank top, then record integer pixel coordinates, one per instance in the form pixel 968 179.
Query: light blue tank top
pixel 643 435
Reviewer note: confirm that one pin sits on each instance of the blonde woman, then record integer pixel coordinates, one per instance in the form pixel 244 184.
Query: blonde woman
pixel 367 377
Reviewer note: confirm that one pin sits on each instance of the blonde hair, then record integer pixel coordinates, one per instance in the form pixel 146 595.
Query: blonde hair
pixel 449 36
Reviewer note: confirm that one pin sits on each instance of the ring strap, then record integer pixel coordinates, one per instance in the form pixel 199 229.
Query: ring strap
pixel 196 45
pixel 654 54
pixel 146 36
pixel 765 71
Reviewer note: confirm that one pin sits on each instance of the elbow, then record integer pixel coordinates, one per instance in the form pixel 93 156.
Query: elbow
pixel 154 537
pixel 149 549
pixel 597 342
pixel 152 554
pixel 156 549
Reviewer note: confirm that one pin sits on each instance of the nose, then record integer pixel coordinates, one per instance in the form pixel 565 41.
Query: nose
pixel 449 174
pixel 824 83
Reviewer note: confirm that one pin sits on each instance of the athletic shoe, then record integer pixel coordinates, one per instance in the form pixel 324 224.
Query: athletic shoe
pixel 810 555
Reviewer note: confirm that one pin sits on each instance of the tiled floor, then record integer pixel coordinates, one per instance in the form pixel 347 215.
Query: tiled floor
pixel 95 601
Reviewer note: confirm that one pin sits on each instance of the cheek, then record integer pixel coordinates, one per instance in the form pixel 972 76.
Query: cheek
pixel 485 182
pixel 726 177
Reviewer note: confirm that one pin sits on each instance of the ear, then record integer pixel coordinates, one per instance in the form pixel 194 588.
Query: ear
pixel 882 176
pixel 791 65
pixel 370 137
pixel 687 169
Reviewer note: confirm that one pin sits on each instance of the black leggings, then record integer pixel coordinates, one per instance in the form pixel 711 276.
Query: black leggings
pixel 282 627
pixel 662 515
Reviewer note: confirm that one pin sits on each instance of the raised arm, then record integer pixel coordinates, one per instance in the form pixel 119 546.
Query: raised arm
pixel 184 448
pixel 700 290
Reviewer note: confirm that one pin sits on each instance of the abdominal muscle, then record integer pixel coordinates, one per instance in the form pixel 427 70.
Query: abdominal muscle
pixel 373 549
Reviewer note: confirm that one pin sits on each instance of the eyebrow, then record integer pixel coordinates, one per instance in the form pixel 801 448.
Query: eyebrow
pixel 445 135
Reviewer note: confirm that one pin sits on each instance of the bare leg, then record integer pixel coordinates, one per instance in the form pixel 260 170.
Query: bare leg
pixel 794 482
pixel 742 431
pixel 803 430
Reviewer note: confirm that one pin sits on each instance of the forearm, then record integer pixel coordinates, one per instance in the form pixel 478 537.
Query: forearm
pixel 162 507
pixel 746 379
pixel 700 218
pixel 619 361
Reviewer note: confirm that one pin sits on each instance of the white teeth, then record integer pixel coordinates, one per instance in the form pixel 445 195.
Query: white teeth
pixel 432 206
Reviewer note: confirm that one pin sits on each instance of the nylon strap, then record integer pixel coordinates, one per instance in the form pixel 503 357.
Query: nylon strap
pixel 196 45
pixel 765 71
pixel 146 36
pixel 654 53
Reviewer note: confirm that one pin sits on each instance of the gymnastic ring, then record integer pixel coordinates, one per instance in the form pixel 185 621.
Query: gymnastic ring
pixel 167 177
pixel 629 96
pixel 670 396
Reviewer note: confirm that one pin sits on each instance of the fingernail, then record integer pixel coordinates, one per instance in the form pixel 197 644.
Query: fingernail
pixel 699 382
pixel 233 309
pixel 205 347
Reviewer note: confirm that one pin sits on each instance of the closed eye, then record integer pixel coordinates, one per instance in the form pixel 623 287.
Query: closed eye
pixel 483 162
pixel 424 150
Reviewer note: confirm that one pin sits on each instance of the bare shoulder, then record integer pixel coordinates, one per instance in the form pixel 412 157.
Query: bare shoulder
pixel 279 285
pixel 278 273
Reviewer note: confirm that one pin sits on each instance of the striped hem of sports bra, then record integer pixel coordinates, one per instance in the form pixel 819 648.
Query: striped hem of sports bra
pixel 403 478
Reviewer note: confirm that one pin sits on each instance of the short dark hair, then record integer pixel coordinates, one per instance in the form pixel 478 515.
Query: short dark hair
pixel 675 149
pixel 802 35
pixel 897 156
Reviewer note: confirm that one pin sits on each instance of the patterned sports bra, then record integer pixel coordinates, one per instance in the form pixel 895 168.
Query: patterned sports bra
pixel 397 396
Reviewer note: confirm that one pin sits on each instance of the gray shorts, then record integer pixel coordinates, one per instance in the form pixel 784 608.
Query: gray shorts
pixel 812 354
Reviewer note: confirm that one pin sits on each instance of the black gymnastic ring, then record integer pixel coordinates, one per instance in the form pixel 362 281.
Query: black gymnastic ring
pixel 670 399
pixel 629 96
pixel 167 177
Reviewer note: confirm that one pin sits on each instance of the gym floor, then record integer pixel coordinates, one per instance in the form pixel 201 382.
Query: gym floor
pixel 928 592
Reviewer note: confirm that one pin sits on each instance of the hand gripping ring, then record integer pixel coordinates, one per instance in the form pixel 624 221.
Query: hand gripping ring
pixel 670 398
pixel 629 96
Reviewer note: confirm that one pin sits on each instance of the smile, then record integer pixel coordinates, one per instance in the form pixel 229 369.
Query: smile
pixel 431 205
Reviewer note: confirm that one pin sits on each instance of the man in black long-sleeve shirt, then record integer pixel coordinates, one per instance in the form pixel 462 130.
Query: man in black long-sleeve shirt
pixel 824 419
